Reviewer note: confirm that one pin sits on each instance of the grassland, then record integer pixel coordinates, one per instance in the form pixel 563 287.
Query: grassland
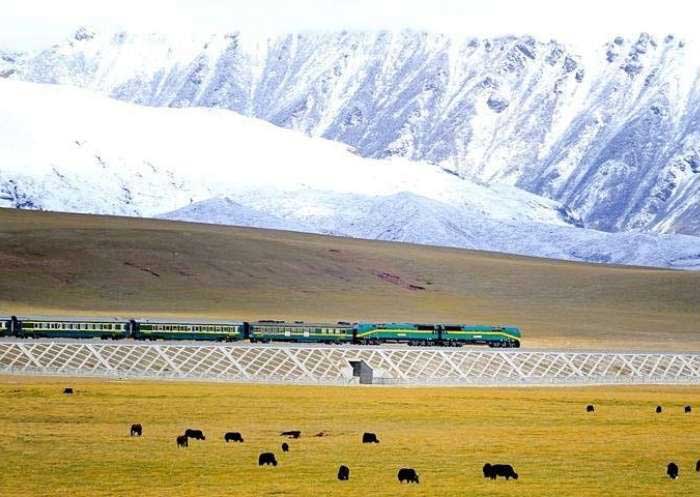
pixel 76 264
pixel 55 445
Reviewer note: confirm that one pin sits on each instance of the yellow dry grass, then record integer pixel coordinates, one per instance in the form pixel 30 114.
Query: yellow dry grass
pixel 56 445
pixel 76 264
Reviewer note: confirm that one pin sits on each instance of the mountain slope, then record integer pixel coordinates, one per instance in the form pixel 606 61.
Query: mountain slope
pixel 71 150
pixel 407 217
pixel 68 149
pixel 613 138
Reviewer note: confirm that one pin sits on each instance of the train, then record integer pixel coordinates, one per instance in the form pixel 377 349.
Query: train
pixel 263 331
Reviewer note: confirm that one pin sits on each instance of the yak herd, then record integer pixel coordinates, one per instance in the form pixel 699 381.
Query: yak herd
pixel 671 468
pixel 408 475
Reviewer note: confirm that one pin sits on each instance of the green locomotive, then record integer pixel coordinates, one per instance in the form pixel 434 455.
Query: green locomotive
pixel 437 334
pixel 411 333
pixel 493 336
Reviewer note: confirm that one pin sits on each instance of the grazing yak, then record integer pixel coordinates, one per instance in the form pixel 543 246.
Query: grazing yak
pixel 196 434
pixel 495 470
pixel 697 466
pixel 181 441
pixel 687 409
pixel 68 390
pixel 672 470
pixel 590 408
pixel 659 409
pixel 267 458
pixel 136 430
pixel 321 434
pixel 291 434
pixel 343 473
pixel 408 475
pixel 369 438
pixel 285 447
pixel 233 436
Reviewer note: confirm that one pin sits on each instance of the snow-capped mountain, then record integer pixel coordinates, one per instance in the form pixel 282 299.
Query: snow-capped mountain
pixel 69 149
pixel 407 217
pixel 614 138
pixel 64 148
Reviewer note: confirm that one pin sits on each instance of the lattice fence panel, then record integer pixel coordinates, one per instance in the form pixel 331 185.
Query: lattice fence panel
pixel 331 365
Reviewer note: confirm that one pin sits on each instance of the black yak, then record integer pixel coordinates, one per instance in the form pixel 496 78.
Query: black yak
pixel 369 438
pixel 196 434
pixel 233 436
pixel 343 473
pixel 267 458
pixel 408 475
pixel 495 470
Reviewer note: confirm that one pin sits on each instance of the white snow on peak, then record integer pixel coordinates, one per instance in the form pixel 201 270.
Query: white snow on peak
pixel 69 149
pixel 148 160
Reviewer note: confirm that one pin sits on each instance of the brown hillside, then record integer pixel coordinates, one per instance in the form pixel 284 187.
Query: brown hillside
pixel 79 264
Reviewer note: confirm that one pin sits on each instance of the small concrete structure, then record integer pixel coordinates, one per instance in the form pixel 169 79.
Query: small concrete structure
pixel 363 371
